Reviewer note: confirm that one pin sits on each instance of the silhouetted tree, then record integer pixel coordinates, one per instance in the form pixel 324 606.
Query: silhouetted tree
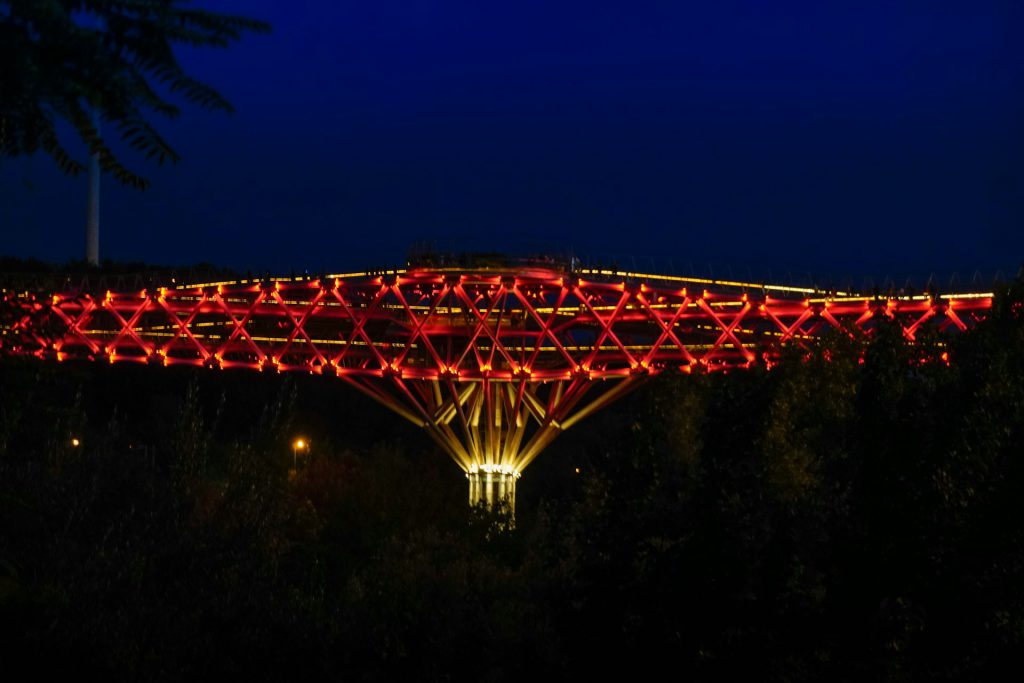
pixel 63 58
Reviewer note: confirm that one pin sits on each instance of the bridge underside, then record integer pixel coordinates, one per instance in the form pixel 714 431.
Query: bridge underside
pixel 494 429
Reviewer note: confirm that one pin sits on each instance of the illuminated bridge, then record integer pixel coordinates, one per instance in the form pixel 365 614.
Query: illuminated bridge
pixel 493 362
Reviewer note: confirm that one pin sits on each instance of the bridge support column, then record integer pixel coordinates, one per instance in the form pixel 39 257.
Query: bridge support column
pixel 493 488
pixel 494 428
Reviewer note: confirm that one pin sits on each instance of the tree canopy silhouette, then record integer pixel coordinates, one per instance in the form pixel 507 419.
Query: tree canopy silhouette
pixel 61 58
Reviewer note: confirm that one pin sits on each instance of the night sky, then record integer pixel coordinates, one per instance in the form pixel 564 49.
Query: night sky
pixel 852 139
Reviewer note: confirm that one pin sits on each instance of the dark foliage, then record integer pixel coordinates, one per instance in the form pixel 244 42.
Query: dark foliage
pixel 62 58
pixel 856 515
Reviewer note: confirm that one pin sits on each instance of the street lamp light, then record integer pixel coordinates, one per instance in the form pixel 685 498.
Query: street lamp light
pixel 75 443
pixel 299 444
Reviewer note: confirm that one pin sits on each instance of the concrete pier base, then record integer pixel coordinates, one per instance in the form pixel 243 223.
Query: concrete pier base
pixel 493 488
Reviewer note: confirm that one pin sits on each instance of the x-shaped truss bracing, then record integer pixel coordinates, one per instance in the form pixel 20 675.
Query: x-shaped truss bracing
pixel 493 364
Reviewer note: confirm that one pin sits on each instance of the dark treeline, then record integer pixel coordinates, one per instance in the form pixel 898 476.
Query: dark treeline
pixel 855 515
pixel 19 274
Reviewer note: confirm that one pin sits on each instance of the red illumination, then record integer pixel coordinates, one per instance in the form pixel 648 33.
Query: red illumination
pixel 464 325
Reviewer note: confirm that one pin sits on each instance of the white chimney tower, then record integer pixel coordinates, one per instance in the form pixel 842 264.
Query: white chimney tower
pixel 92 220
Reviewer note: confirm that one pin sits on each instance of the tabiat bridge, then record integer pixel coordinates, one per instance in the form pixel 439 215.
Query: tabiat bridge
pixel 493 362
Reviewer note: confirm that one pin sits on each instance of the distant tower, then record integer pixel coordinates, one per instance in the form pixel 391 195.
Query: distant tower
pixel 92 221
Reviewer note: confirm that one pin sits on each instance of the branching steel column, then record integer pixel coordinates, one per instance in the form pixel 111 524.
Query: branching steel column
pixel 494 429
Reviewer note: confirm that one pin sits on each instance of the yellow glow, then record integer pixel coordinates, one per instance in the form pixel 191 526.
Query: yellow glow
pixel 75 442
pixel 493 468
pixel 676 278
pixel 300 444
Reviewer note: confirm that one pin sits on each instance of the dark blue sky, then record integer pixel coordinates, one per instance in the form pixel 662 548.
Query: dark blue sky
pixel 850 138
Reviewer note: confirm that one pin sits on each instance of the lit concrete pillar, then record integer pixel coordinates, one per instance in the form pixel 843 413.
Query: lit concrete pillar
pixel 493 487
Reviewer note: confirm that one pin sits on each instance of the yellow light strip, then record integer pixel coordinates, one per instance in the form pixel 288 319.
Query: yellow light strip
pixel 702 281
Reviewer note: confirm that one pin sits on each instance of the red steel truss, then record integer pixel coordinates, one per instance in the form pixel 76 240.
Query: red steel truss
pixel 474 357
